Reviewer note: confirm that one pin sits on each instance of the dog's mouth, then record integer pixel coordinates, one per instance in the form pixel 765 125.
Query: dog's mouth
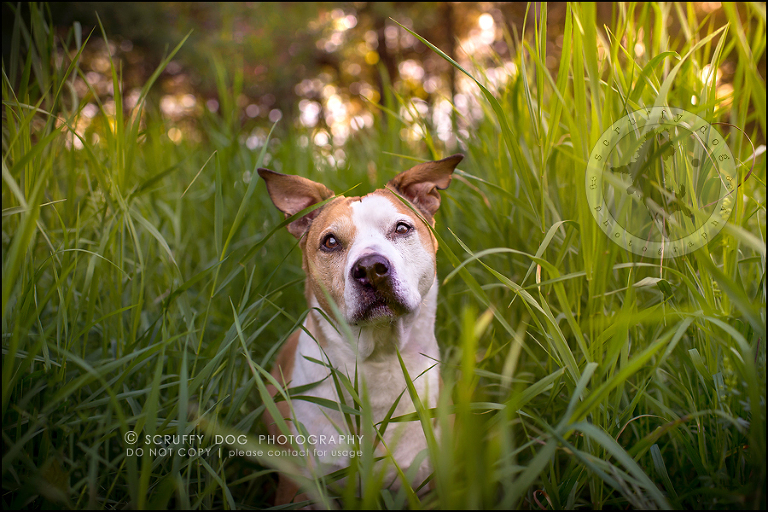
pixel 375 306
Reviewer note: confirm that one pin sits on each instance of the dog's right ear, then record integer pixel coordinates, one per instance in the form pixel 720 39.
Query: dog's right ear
pixel 291 194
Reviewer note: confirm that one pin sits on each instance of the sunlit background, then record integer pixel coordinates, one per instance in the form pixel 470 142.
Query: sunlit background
pixel 318 68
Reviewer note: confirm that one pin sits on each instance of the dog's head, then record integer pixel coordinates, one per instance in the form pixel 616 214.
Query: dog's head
pixel 373 256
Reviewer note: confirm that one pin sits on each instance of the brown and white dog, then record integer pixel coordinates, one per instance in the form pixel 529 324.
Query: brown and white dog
pixel 376 260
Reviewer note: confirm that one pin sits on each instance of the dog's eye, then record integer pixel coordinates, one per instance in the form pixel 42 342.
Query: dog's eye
pixel 330 242
pixel 402 228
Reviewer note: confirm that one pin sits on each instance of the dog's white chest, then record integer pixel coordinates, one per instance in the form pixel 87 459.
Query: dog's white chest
pixel 385 385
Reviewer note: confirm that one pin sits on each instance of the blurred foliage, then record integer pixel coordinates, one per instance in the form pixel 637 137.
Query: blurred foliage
pixel 282 53
pixel 324 66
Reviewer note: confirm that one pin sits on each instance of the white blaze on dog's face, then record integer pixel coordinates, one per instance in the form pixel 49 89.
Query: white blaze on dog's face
pixel 372 255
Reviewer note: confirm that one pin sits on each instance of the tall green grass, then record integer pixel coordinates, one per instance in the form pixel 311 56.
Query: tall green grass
pixel 147 286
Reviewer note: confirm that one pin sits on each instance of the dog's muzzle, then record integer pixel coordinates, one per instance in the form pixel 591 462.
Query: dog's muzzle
pixel 376 289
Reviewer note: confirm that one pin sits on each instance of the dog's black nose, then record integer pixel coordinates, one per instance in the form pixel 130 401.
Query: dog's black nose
pixel 371 270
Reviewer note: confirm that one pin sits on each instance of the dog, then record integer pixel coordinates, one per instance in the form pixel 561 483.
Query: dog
pixel 374 258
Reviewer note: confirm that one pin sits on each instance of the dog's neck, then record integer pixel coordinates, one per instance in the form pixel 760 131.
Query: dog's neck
pixel 412 333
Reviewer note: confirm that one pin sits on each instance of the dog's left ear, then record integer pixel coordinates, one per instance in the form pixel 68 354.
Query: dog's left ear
pixel 420 184
pixel 291 194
